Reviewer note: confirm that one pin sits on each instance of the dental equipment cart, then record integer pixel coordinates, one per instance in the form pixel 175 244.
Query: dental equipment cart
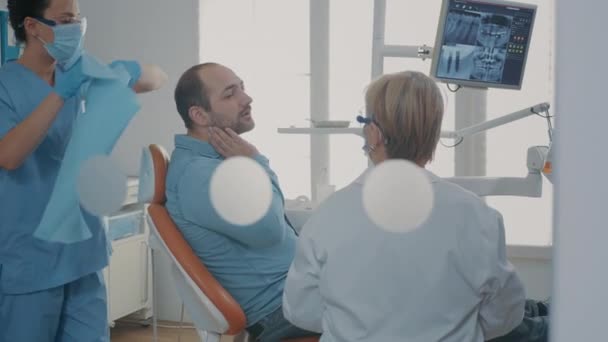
pixel 129 274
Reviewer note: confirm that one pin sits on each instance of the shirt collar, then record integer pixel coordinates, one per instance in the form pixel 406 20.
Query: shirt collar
pixel 361 180
pixel 198 146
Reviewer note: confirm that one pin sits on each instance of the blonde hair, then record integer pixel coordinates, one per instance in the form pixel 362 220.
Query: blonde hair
pixel 408 107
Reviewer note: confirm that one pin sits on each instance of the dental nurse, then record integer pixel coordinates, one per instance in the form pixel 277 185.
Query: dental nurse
pixel 48 291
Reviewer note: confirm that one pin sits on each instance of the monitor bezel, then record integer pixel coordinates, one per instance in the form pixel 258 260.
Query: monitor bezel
pixel 478 84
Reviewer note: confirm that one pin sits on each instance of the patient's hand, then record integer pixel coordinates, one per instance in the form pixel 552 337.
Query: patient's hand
pixel 229 144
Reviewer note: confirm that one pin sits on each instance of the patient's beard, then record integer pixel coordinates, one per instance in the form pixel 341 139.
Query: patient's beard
pixel 237 126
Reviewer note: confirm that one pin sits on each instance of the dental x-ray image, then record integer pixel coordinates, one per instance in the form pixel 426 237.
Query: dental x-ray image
pixel 482 43
pixel 474 46
pixel 462 28
pixel 494 30
pixel 456 62
pixel 488 64
pixel 465 62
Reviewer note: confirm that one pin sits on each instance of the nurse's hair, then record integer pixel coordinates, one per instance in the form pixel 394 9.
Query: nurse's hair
pixel 408 107
pixel 18 10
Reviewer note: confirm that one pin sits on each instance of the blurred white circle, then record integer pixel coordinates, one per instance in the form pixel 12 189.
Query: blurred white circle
pixel 101 186
pixel 240 191
pixel 397 196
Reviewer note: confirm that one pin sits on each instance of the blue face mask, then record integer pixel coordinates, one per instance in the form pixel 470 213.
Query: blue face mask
pixel 67 47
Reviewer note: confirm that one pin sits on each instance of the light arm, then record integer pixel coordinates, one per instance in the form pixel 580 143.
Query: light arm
pixel 529 186
pixel 484 126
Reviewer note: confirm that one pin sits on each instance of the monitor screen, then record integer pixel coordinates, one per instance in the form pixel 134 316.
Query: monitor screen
pixel 483 43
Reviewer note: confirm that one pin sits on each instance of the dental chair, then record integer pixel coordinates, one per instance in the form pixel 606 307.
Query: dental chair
pixel 213 310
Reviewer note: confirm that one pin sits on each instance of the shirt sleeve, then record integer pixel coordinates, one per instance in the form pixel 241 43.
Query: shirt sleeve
pixel 195 203
pixel 502 307
pixel 8 117
pixel 265 163
pixel 302 301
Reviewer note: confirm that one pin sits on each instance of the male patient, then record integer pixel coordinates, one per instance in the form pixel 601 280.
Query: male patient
pixel 251 262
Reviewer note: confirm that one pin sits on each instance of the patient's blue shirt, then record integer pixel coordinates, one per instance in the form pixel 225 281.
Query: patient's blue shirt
pixel 251 262
pixel 28 264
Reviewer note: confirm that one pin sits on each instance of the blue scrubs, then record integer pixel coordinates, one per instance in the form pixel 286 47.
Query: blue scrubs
pixel 48 291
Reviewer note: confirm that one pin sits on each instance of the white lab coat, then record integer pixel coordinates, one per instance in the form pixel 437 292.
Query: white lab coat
pixel 449 280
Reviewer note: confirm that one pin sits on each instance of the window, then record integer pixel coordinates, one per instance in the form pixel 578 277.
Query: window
pixel 527 220
pixel 350 44
pixel 414 22
pixel 270 53
pixel 350 72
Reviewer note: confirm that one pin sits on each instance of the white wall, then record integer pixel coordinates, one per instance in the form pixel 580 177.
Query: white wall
pixel 150 31
pixel 581 232
pixel 275 66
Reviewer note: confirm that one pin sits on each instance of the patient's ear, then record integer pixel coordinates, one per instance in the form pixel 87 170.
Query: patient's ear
pixel 199 116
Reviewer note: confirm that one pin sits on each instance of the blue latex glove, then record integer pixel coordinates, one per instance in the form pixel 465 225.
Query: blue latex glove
pixel 68 82
pixel 132 67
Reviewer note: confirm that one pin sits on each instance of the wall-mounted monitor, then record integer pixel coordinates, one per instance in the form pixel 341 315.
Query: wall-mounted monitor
pixel 483 43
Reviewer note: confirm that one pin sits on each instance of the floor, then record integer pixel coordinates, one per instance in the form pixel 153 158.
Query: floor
pixel 167 332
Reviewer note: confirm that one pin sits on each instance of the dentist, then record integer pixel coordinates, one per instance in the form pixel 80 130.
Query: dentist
pixel 448 281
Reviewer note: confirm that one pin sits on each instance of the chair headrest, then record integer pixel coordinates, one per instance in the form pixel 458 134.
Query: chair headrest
pixel 152 174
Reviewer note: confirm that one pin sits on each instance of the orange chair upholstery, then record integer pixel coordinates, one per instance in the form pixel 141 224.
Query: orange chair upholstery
pixel 181 253
pixel 189 270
